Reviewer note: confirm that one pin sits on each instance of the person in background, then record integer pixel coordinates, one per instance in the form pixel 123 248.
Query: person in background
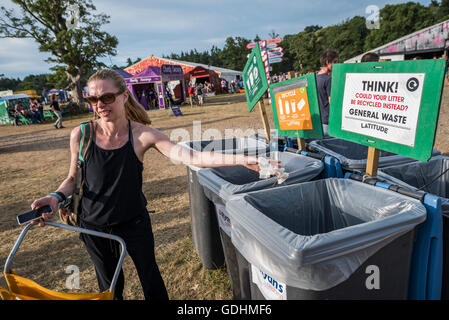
pixel 13 116
pixel 199 94
pixel 40 108
pixel 370 57
pixel 54 106
pixel 36 115
pixel 224 89
pixel 323 81
pixel 191 92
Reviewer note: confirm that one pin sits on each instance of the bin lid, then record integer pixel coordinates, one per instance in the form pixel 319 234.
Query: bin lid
pixel 353 155
pixel 314 235
pixel 427 176
pixel 246 145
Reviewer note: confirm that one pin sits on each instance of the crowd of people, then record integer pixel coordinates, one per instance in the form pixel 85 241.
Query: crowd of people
pixel 35 114
pixel 19 114
pixel 197 92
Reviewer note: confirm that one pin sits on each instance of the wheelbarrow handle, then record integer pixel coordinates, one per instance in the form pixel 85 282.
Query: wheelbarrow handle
pixel 77 229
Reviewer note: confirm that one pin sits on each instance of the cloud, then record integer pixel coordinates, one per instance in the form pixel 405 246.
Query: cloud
pixel 20 57
pixel 146 27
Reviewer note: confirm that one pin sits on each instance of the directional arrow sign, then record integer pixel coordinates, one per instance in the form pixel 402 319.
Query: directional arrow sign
pixel 279 49
pixel 275 55
pixel 267 42
pixel 272 45
pixel 274 60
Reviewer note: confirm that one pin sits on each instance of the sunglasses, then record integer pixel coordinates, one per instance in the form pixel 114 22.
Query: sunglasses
pixel 106 98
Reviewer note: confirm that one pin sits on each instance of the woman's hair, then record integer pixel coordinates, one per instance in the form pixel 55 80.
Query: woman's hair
pixel 134 110
pixel 52 96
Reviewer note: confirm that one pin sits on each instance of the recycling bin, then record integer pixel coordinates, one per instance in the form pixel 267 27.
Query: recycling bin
pixel 220 184
pixel 430 177
pixel 326 239
pixel 353 156
pixel 203 220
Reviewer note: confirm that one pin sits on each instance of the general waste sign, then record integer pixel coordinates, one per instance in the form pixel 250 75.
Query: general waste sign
pixel 392 106
pixel 254 78
pixel 295 108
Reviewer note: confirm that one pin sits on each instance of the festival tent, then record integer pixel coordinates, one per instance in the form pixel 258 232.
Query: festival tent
pixel 140 84
pixel 155 77
pixel 123 73
pixel 13 99
pixel 427 43
pixel 4 118
pixel 223 73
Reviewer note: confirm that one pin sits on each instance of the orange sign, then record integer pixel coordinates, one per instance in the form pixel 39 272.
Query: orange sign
pixel 293 110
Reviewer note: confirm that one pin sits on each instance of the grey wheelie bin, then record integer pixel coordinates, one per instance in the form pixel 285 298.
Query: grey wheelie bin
pixel 205 233
pixel 431 177
pixel 222 183
pixel 326 239
pixel 352 156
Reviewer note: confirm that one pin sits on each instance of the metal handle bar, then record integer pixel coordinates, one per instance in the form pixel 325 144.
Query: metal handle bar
pixel 82 230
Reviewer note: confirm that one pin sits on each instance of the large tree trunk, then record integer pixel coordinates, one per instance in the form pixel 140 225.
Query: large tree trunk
pixel 75 89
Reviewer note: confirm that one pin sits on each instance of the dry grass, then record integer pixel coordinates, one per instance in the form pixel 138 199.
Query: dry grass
pixel 35 159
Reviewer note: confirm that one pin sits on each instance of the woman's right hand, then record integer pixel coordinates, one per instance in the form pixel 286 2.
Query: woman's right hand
pixel 45 201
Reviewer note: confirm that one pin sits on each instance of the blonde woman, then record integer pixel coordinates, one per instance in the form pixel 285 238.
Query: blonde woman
pixel 113 200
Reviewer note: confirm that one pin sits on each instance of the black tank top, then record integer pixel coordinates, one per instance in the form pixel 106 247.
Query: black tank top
pixel 112 192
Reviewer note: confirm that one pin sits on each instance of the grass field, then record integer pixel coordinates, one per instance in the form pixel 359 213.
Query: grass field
pixel 35 159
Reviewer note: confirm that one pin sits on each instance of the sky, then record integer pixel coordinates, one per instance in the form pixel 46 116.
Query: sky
pixel 149 27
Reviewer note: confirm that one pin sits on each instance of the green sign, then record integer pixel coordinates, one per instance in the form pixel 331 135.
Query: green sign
pixel 391 106
pixel 254 78
pixel 296 111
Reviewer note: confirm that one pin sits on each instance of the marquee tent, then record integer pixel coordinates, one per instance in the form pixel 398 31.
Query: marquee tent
pixel 153 78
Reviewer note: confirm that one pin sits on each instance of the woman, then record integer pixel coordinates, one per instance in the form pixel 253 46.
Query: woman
pixel 113 200
pixel 54 106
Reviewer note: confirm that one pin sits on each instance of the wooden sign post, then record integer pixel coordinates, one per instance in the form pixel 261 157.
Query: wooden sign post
pixel 372 161
pixel 296 111
pixel 391 106
pixel 263 115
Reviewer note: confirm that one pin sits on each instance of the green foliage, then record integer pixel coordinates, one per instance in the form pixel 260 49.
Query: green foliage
pixel 400 20
pixel 76 50
pixel 349 38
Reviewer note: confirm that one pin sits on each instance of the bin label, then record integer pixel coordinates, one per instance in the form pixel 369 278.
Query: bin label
pixel 384 106
pixel 270 288
pixel 223 219
pixel 293 109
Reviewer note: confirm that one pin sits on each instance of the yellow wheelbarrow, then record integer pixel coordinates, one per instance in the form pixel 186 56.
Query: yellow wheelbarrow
pixel 21 288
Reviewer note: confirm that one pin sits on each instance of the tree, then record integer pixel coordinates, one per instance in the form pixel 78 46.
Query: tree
pixel 273 34
pixel 400 20
pixel 76 51
pixel 234 53
pixel 33 82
